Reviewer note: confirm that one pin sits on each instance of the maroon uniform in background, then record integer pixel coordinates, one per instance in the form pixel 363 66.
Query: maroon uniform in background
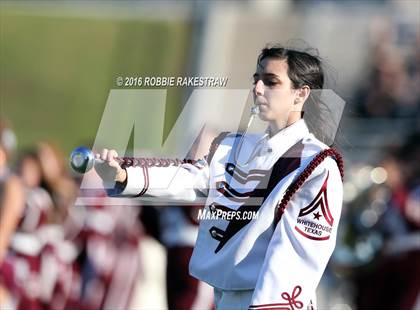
pixel 108 241
pixel 179 228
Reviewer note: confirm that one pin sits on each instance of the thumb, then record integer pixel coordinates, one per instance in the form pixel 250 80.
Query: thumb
pixel 111 159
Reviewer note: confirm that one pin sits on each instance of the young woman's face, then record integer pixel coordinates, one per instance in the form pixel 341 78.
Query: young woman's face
pixel 274 93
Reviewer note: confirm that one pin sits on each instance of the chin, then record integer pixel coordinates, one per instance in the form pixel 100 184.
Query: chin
pixel 263 117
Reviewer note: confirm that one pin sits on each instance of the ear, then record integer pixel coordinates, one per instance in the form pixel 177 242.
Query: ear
pixel 302 94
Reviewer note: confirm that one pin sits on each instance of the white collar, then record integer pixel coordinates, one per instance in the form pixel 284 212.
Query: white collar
pixel 287 137
pixel 277 144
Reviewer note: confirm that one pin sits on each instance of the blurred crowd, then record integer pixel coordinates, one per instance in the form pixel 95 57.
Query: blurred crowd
pixel 393 75
pixel 376 262
pixel 55 255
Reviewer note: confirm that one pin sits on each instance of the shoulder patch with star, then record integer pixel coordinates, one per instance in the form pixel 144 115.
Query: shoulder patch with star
pixel 315 220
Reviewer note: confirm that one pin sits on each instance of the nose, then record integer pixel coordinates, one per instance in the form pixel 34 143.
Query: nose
pixel 259 88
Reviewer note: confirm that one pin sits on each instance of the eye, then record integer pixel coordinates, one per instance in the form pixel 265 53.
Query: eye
pixel 270 82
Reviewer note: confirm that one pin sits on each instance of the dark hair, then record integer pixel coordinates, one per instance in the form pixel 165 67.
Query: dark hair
pixel 305 67
pixel 24 155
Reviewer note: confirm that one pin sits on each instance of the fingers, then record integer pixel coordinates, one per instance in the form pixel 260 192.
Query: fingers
pixel 107 155
pixel 111 155
pixel 104 154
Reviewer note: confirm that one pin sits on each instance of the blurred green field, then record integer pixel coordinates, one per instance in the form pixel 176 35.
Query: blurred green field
pixel 56 72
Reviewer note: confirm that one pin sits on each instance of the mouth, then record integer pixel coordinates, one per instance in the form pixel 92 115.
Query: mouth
pixel 261 104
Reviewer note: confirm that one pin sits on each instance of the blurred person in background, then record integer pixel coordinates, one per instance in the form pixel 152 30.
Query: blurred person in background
pixel 391 89
pixel 65 256
pixel 107 238
pixel 56 179
pixel 39 205
pixel 384 232
pixel 40 270
pixel 11 205
pixel 11 190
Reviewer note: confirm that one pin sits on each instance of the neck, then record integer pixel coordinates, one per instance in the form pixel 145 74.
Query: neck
pixel 274 127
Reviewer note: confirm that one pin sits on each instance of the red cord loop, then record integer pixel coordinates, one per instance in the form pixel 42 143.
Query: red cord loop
pixel 291 190
pixel 126 162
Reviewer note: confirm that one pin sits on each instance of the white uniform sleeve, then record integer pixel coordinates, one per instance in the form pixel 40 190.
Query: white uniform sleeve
pixel 173 182
pixel 302 243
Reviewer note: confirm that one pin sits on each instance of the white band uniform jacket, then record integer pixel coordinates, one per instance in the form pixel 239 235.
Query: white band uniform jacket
pixel 281 262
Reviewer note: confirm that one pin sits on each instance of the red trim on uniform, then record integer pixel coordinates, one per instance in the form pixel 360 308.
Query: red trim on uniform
pixel 231 193
pixel 146 186
pixel 243 177
pixel 313 204
pixel 273 307
pixel 145 181
pixel 320 198
pixel 244 174
pixel 290 304
pixel 325 207
pixel 250 177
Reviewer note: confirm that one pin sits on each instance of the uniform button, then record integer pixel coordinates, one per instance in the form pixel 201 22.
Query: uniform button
pixel 201 162
pixel 230 168
pixel 220 185
pixel 212 208
pixel 214 233
pixel 269 150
